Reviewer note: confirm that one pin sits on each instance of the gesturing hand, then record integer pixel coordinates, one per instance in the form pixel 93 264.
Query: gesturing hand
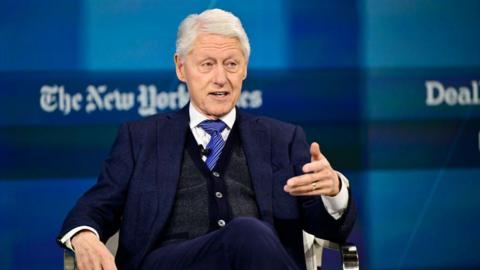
pixel 319 177
pixel 91 253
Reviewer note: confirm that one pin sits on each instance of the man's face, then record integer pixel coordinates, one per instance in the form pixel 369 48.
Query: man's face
pixel 213 71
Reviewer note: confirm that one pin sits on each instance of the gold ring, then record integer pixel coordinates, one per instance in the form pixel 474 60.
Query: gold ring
pixel 314 186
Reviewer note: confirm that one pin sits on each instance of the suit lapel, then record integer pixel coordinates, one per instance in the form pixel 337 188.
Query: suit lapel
pixel 256 142
pixel 170 134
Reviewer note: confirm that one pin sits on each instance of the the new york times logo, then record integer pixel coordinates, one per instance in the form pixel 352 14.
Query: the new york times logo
pixel 147 100
pixel 463 95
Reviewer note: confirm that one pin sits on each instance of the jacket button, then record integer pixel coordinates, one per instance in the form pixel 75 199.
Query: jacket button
pixel 218 195
pixel 221 222
pixel 216 174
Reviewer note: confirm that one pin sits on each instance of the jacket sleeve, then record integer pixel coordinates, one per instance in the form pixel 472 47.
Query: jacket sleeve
pixel 102 205
pixel 314 217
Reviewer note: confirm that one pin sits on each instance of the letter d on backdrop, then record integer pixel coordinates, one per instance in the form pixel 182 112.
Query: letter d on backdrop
pixel 431 86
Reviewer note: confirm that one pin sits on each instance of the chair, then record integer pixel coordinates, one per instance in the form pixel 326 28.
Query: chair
pixel 313 248
pixel 313 252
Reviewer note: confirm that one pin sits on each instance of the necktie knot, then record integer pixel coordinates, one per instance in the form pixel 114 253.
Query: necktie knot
pixel 213 126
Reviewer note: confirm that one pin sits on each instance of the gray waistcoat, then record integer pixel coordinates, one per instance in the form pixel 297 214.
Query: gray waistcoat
pixel 191 214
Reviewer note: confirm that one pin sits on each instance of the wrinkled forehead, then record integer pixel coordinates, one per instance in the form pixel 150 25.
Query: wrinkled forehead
pixel 217 45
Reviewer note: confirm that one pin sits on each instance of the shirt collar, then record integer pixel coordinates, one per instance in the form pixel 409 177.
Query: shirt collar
pixel 197 117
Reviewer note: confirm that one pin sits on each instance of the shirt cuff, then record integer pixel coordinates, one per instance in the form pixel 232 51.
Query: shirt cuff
pixel 67 237
pixel 337 204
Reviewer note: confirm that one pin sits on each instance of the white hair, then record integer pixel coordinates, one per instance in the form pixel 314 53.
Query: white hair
pixel 211 21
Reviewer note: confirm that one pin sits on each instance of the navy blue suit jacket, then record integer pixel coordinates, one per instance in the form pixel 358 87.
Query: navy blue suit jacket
pixel 136 188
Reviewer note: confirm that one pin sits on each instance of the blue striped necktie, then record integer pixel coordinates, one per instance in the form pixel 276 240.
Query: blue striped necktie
pixel 216 143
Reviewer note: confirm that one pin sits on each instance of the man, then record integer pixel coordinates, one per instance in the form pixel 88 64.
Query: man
pixel 209 187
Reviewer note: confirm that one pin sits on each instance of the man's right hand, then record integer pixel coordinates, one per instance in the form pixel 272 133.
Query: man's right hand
pixel 91 253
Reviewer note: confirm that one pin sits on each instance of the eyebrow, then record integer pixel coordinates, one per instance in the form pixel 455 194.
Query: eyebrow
pixel 233 58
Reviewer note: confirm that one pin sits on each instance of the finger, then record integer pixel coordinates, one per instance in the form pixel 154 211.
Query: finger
pixel 301 180
pixel 308 187
pixel 98 264
pixel 83 261
pixel 308 178
pixel 92 256
pixel 88 262
pixel 315 151
pixel 80 264
pixel 308 191
pixel 107 259
pixel 315 166
pixel 109 263
pixel 317 192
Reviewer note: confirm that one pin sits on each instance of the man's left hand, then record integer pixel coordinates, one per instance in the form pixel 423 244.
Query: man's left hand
pixel 318 179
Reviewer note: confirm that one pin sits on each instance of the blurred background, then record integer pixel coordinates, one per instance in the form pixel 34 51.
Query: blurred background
pixel 390 90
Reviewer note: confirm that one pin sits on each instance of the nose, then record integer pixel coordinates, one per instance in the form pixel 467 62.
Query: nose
pixel 220 76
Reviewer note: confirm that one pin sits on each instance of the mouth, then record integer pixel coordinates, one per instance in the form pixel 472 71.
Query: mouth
pixel 219 94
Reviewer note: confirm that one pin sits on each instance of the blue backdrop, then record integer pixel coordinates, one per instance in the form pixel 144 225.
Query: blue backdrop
pixel 390 89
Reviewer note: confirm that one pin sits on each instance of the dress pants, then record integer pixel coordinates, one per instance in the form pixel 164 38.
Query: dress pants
pixel 244 243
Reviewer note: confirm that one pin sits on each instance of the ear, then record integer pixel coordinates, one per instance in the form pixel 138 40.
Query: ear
pixel 179 67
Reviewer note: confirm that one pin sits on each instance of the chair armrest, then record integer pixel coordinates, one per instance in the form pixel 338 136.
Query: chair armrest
pixel 348 253
pixel 68 260
pixel 313 248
